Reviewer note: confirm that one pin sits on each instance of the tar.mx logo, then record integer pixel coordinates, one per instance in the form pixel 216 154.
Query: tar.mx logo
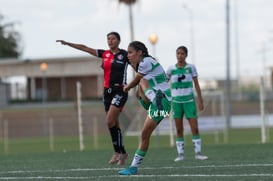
pixel 160 113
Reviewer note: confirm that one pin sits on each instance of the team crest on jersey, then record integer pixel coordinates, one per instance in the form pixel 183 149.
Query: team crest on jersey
pixel 107 55
pixel 120 57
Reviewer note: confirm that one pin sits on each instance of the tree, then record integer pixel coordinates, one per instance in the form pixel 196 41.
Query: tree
pixel 9 40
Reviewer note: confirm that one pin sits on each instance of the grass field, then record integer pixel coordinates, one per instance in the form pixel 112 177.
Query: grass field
pixel 226 162
pixel 243 158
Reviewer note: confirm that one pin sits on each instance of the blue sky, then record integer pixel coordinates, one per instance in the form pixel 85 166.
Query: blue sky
pixel 41 22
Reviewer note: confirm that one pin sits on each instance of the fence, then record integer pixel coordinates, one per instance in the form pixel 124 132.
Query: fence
pixel 60 120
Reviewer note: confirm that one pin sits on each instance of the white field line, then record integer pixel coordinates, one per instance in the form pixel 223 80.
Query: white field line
pixel 141 168
pixel 138 176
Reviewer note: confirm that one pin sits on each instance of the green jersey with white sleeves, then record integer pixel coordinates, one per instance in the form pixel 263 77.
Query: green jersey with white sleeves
pixel 155 75
pixel 181 82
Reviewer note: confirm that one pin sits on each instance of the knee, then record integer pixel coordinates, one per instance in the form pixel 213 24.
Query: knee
pixel 110 122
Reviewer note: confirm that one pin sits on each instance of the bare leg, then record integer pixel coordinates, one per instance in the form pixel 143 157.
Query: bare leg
pixel 194 126
pixel 146 132
pixel 179 127
pixel 112 119
pixel 112 116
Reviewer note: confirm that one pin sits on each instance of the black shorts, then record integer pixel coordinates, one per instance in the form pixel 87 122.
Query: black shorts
pixel 114 96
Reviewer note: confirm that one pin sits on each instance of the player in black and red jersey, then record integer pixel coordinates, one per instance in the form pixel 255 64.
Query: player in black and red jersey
pixel 114 65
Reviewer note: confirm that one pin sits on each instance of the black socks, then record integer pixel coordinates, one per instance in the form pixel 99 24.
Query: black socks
pixel 117 141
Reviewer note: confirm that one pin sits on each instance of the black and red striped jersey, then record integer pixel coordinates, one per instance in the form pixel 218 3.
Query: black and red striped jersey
pixel 114 67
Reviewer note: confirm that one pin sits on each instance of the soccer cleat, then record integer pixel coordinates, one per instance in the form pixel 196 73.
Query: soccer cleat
pixel 114 159
pixel 179 158
pixel 200 157
pixel 128 171
pixel 122 158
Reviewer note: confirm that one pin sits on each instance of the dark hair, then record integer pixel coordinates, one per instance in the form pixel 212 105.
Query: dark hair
pixel 116 34
pixel 137 45
pixel 183 48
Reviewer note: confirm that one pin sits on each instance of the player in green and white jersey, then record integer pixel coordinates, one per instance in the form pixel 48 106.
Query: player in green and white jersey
pixel 154 94
pixel 183 78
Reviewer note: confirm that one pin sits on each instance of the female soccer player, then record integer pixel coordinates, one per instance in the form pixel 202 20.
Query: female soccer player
pixel 114 65
pixel 181 76
pixel 154 95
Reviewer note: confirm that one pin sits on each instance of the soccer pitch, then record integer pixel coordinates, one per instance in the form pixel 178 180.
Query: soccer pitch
pixel 226 162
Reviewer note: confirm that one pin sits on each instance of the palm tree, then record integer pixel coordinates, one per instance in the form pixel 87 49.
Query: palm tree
pixel 129 3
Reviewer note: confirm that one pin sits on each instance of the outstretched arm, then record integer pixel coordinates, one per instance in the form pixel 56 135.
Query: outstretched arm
pixel 79 47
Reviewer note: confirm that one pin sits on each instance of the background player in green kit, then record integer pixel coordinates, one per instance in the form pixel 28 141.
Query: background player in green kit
pixel 182 76
pixel 154 94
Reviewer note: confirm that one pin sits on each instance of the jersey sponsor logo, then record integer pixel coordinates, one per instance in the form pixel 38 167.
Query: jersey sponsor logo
pixel 120 62
pixel 180 78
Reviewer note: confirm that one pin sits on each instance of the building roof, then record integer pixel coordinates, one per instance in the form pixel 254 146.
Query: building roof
pixel 61 67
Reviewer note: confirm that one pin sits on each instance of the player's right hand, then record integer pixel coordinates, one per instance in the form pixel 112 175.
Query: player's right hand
pixel 61 41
